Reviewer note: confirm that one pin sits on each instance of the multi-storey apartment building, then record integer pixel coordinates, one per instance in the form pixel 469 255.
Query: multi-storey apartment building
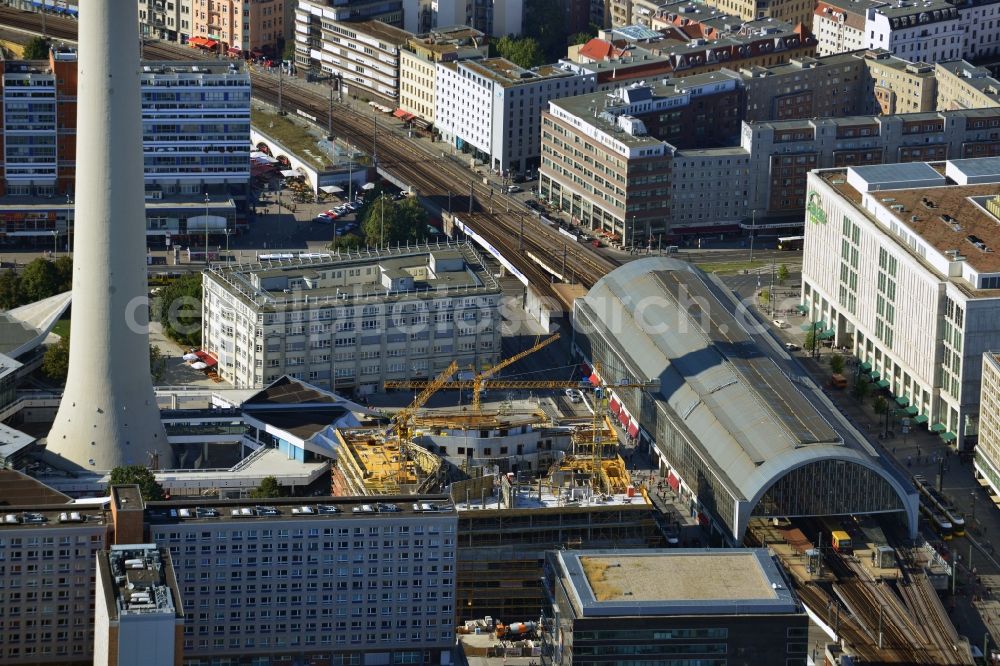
pixel 961 85
pixel 839 25
pixel 315 21
pixel 987 460
pixel 925 31
pixel 352 322
pixel 612 161
pixel 418 65
pixel 894 86
pixel 196 131
pixel 362 55
pixel 350 579
pixel 899 265
pixel 782 153
pixel 492 107
pixel 240 25
pixel 47 553
pixel 169 20
pixel 139 616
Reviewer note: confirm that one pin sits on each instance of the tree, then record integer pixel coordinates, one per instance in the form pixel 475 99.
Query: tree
pixel 55 363
pixel 580 38
pixel 288 53
pixel 138 475
pixel 811 341
pixel 39 280
pixel 862 388
pixel 880 405
pixel 837 364
pixel 10 290
pixel 178 309
pixel 157 364
pixel 389 222
pixel 346 243
pixel 523 51
pixel 545 22
pixel 269 487
pixel 37 48
pixel 764 296
pixel 782 273
pixel 64 273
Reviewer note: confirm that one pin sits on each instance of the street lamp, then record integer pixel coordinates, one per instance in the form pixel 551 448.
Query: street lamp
pixel 206 228
pixel 55 241
pixel 227 232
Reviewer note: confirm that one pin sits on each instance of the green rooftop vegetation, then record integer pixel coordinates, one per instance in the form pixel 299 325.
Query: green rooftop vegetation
pixel 292 134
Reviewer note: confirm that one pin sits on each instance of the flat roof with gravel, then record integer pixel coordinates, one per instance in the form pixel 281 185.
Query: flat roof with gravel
pixel 675 581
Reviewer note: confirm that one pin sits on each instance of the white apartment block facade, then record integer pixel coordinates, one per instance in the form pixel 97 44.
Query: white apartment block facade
pixel 494 107
pixel 362 55
pixel 928 31
pixel 353 579
pixel 987 460
pixel 905 279
pixel 417 83
pixel 352 322
pixel 840 26
pixel 497 18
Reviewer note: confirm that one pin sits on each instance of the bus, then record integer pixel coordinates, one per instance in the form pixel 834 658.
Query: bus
pixel 788 243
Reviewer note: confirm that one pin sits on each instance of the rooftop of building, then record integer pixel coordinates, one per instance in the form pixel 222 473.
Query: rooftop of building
pixel 196 68
pixel 449 39
pixel 127 498
pixel 508 74
pixel 381 31
pixel 297 508
pixel 12 441
pixel 796 65
pixel 906 13
pixel 930 202
pixel 138 580
pixel 46 515
pixel 860 7
pixel 420 271
pixel 979 78
pixel 886 59
pixel 606 583
pixel 17 489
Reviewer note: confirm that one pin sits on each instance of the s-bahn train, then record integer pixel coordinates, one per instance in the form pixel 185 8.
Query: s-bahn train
pixel 931 501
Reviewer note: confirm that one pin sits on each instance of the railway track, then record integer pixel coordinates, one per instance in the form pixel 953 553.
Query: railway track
pixel 432 176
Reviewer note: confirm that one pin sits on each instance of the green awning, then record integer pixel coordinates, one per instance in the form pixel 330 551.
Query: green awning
pixel 826 335
pixel 937 427
pixel 882 383
pixel 802 308
pixel 866 366
pixel 903 400
pixel 912 410
pixel 921 419
pixel 948 437
pixel 817 325
pixel 876 376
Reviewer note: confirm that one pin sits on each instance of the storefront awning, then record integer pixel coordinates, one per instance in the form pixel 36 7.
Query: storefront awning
pixel 827 334
pixel 876 376
pixel 882 383
pixel 903 400
pixel 921 419
pixel 673 482
pixel 614 406
pixel 624 418
pixel 594 379
pixel 633 429
pixel 331 189
pixel 912 410
pixel 290 173
pixel 938 427
pixel 948 437
pixel 866 366
pixel 802 308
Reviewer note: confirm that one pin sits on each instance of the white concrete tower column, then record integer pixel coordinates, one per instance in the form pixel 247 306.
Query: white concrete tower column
pixel 108 414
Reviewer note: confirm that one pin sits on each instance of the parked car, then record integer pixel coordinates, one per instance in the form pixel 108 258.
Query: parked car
pixel 513 189
pixel 323 219
pixel 780 323
pixel 517 178
pixel 791 346
pixel 534 205
pixel 574 395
